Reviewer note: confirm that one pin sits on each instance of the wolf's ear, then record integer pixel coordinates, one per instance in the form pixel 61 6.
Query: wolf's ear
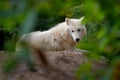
pixel 67 20
pixel 81 19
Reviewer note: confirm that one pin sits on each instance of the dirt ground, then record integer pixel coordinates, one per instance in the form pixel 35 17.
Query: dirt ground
pixel 62 65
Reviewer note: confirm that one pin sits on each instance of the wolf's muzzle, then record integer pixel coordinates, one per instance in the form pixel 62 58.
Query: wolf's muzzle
pixel 77 39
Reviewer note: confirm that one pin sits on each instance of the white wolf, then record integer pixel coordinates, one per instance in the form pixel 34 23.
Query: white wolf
pixel 63 36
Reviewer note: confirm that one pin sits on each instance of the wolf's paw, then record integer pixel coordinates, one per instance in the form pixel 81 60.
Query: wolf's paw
pixel 80 50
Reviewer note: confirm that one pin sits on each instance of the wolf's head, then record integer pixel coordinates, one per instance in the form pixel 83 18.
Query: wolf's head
pixel 76 29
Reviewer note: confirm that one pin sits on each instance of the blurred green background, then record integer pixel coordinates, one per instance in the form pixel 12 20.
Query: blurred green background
pixel 101 18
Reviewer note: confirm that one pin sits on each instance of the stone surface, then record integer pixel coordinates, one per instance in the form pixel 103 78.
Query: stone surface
pixel 62 65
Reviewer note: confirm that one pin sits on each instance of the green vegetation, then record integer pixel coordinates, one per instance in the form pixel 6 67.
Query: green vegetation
pixel 101 18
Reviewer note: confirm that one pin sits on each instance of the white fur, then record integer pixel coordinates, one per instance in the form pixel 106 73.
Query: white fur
pixel 58 38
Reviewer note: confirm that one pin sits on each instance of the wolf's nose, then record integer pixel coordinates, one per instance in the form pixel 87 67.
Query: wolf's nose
pixel 77 39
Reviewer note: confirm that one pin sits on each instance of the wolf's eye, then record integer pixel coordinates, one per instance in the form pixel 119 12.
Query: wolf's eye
pixel 72 30
pixel 78 30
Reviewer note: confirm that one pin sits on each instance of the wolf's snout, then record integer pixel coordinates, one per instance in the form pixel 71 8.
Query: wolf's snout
pixel 77 39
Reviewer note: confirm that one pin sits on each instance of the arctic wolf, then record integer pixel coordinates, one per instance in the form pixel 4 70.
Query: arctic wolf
pixel 64 36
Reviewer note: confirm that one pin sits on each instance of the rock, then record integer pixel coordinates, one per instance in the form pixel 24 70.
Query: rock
pixel 62 65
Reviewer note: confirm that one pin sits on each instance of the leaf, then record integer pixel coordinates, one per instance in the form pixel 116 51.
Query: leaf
pixel 29 22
